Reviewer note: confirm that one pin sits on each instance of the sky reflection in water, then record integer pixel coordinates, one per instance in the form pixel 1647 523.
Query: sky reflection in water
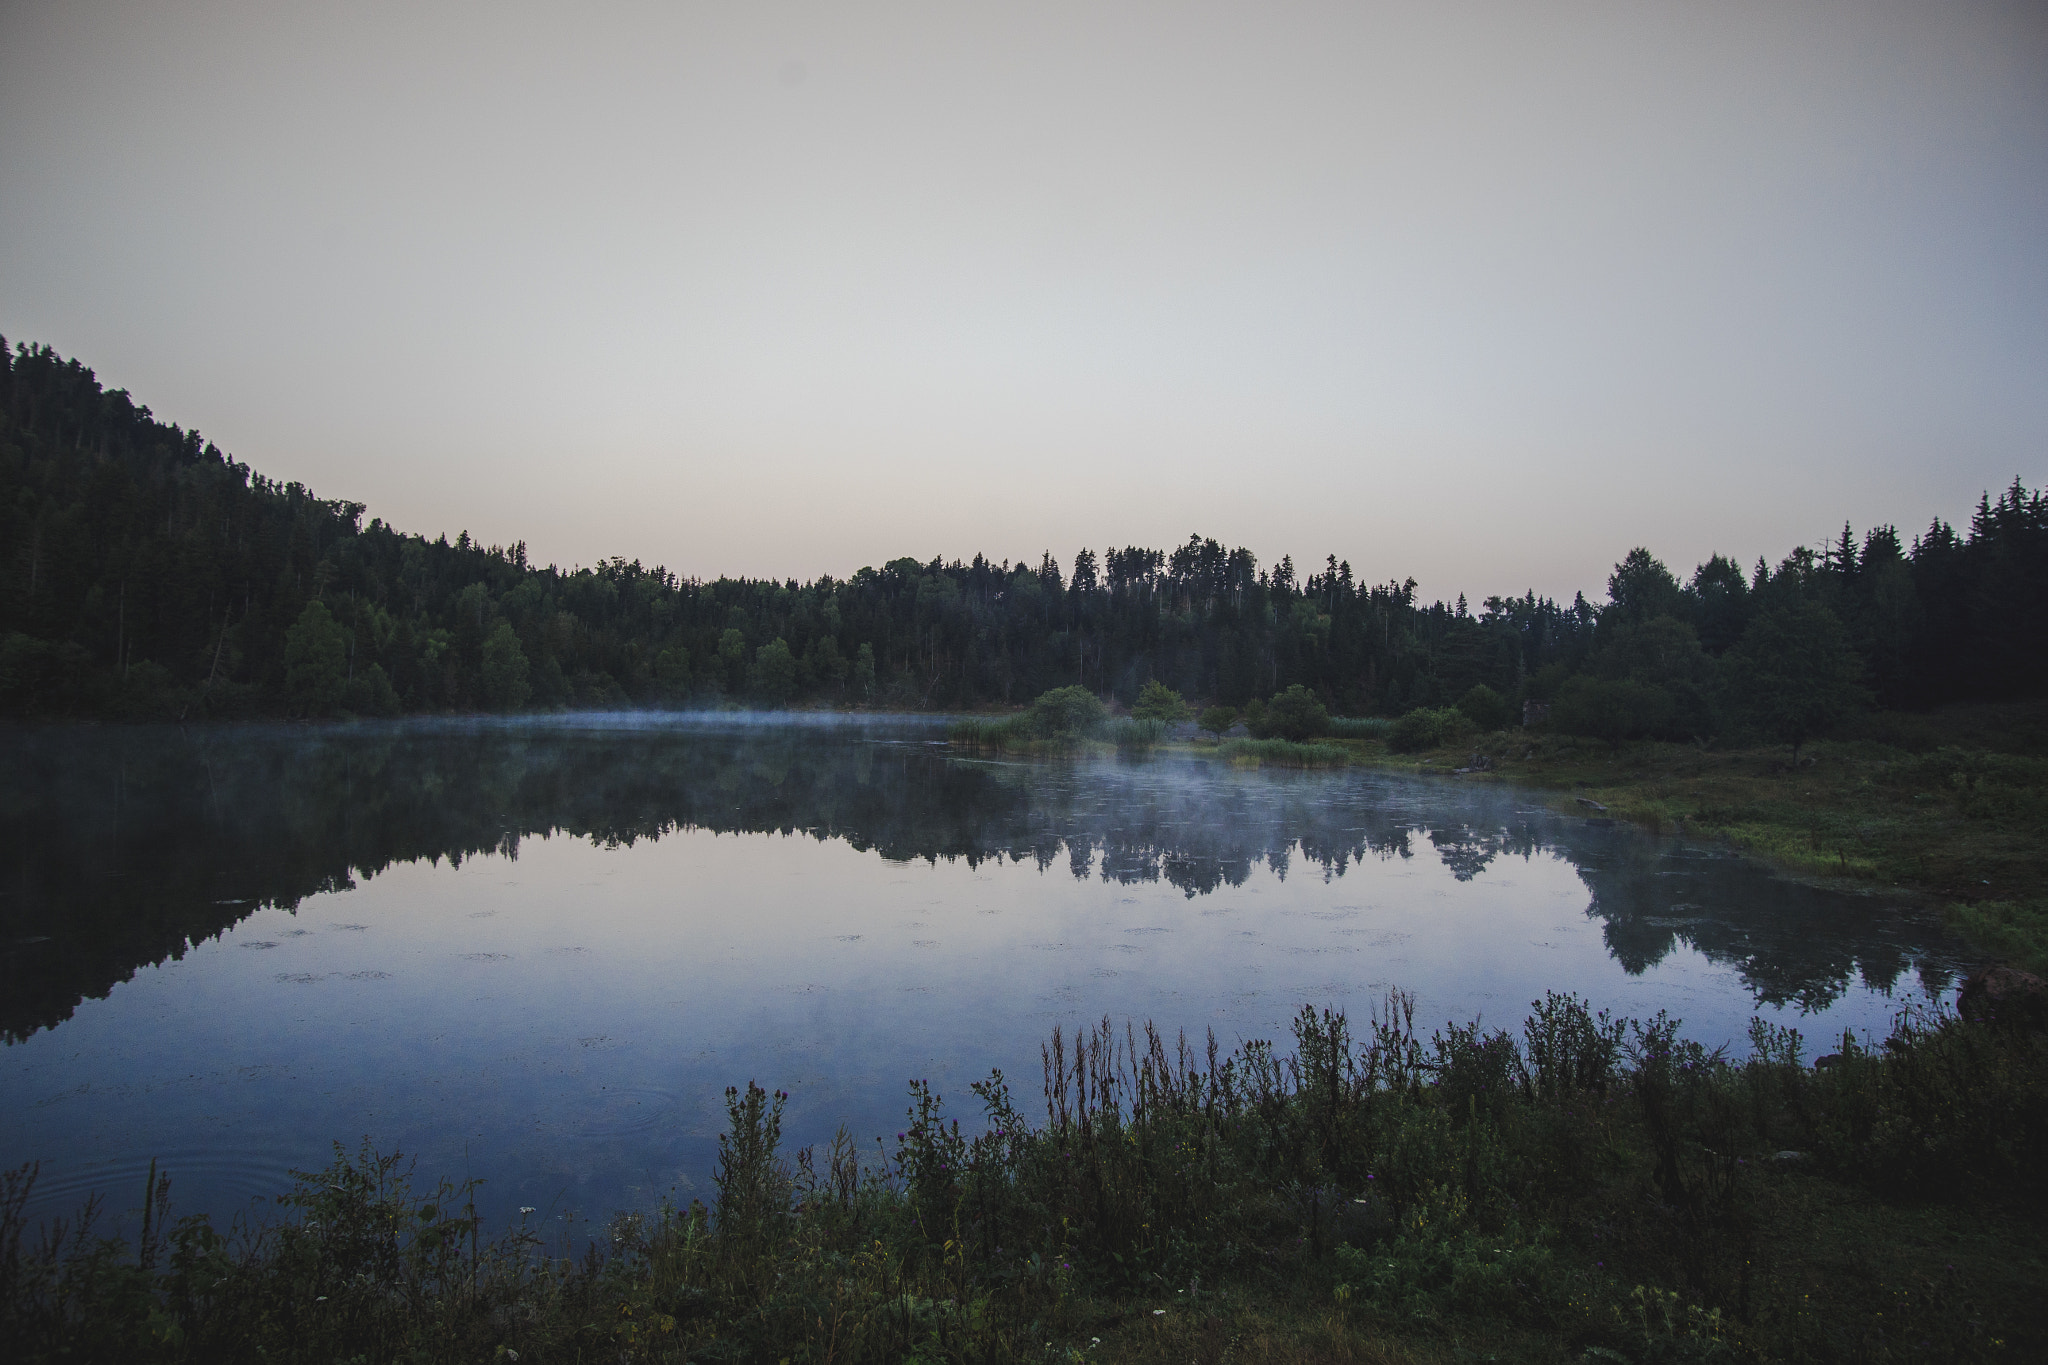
pixel 538 953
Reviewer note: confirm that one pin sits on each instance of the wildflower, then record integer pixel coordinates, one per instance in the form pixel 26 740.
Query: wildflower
pixel 526 1208
pixel 1159 1312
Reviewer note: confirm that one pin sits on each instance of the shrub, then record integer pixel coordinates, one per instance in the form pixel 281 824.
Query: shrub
pixel 1218 719
pixel 1429 728
pixel 1066 713
pixel 1360 727
pixel 1485 707
pixel 1157 701
pixel 1295 714
pixel 1615 711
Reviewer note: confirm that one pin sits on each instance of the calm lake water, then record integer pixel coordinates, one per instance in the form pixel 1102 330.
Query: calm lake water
pixel 538 952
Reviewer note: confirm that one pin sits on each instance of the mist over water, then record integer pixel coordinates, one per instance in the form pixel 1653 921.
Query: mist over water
pixel 539 951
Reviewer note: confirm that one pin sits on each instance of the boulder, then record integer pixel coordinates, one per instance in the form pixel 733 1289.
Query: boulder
pixel 2004 995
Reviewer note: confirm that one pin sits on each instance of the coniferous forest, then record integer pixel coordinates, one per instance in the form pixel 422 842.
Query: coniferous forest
pixel 149 575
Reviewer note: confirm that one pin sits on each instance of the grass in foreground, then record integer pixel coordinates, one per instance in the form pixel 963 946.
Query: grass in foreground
pixel 1587 1189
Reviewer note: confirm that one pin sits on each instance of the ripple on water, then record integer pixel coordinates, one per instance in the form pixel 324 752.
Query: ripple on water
pixel 219 1176
pixel 618 1110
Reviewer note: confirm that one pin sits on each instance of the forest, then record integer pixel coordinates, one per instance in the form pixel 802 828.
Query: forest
pixel 151 576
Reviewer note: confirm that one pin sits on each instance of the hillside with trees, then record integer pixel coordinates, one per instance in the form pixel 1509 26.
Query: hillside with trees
pixel 149 575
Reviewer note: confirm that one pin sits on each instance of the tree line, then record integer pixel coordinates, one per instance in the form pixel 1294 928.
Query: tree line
pixel 149 575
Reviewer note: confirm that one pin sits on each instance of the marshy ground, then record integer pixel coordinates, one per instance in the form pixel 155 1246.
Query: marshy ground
pixel 1952 805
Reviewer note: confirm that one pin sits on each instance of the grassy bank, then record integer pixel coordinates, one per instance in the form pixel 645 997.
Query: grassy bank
pixel 1585 1189
pixel 1952 805
pixel 1016 735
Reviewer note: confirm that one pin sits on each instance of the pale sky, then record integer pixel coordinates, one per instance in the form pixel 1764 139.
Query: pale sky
pixel 1482 293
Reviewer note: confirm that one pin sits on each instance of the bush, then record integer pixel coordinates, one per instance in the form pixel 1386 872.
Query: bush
pixel 1295 714
pixel 1157 701
pixel 1218 719
pixel 1486 708
pixel 1599 708
pixel 1360 727
pixel 370 693
pixel 1066 713
pixel 1429 728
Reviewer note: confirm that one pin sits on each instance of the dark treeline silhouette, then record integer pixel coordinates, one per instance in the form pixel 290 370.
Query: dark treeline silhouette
pixel 143 840
pixel 148 574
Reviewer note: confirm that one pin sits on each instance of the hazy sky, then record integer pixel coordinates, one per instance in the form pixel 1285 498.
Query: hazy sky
pixel 1485 294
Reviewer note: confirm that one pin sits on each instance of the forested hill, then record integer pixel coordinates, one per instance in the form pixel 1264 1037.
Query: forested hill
pixel 148 575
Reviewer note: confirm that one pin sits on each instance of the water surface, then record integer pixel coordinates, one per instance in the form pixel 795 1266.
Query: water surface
pixel 538 952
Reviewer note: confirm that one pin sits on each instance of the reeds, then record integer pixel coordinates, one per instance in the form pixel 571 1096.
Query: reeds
pixel 993 736
pixel 1282 753
pixel 1136 736
pixel 1595 1179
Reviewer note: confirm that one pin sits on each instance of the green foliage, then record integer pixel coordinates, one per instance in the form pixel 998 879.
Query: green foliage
pixel 370 693
pixel 1659 677
pixel 1295 714
pixel 1360 727
pixel 1137 734
pixel 1066 713
pixel 732 658
pixel 775 672
pixel 1639 589
pixel 315 661
pixel 1157 701
pixel 1217 719
pixel 1793 675
pixel 864 671
pixel 35 672
pixel 1429 728
pixel 2013 932
pixel 996 736
pixel 154 576
pixel 1484 707
pixel 1282 753
pixel 754 1185
pixel 1603 1191
pixel 505 670
pixel 672 672
pixel 1612 709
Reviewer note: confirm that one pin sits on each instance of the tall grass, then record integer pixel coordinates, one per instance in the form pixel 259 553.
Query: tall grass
pixel 1283 753
pixel 995 736
pixel 1138 735
pixel 1360 727
pixel 1592 1181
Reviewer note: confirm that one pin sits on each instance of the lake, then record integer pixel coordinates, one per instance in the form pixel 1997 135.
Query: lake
pixel 538 951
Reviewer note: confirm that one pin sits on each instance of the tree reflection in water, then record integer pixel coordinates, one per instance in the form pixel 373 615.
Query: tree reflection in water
pixel 125 846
